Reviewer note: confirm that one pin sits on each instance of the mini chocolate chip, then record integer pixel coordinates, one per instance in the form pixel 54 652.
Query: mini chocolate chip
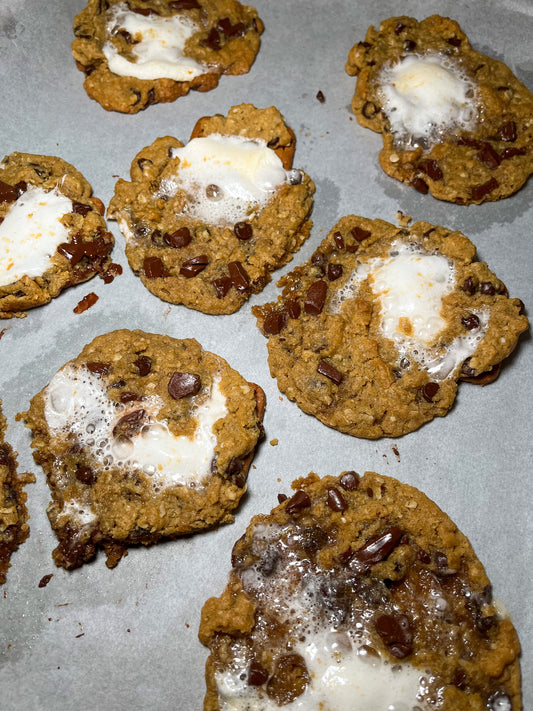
pixel 399 28
pixel 431 168
pixel 143 365
pixel 257 674
pixel 320 96
pixel 339 240
pixel 43 582
pixel 316 298
pixel 488 156
pixel 98 368
pixel 470 322
pixel 336 500
pixel 274 323
pixel 179 238
pixel 429 390
pixel 334 271
pixel 153 268
pixel 487 288
pixel 370 110
pixel 222 286
pixel 360 234
pixel 328 371
pixel 349 481
pixel 508 132
pixel 81 208
pixel 409 45
pixel 454 41
pixel 282 498
pixel 86 475
pixel 181 385
pixel 478 192
pixel 243 230
pixel 239 276
pixel 395 631
pixel 293 308
pixel 420 185
pixel 194 266
pixel 376 549
pixel 469 286
pixel 299 501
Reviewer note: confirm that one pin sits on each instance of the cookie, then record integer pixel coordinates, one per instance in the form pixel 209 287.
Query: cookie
pixel 206 223
pixel 13 513
pixel 138 53
pixel 142 437
pixel 358 593
pixel 52 233
pixel 373 333
pixel 454 122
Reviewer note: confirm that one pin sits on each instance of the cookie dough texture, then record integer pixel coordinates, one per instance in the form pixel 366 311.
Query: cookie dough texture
pixel 490 161
pixel 216 268
pixel 108 494
pixel 13 513
pixel 85 254
pixel 326 341
pixel 226 41
pixel 376 565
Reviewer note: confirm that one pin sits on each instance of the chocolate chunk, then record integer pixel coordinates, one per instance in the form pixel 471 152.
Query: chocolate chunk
pixel 313 538
pixel 470 322
pixel 293 308
pixel 478 192
pixel 409 45
pixel 315 298
pixel 511 152
pixel 113 271
pixel 257 674
pixel 180 238
pixel 86 475
pixel 431 168
pixel 336 500
pixel 395 631
pixel 98 368
pixel 194 266
pixel 487 288
pixel 349 481
pixel 328 371
pixel 274 323
pixel 339 240
pixel 153 268
pixel 420 185
pixel 320 260
pixel 243 230
pixel 359 234
pixel 43 582
pixel 129 424
pixel 469 286
pixel 429 390
pixel 488 155
pixel 508 132
pixel 376 549
pixel 85 303
pixel 81 208
pixel 8 193
pixel 230 30
pixel 320 96
pixel 299 501
pixel 212 41
pixel 222 286
pixel 239 276
pixel 143 365
pixel 334 271
pixel 129 396
pixel 183 384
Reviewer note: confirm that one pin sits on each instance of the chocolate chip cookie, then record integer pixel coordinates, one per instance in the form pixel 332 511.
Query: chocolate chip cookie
pixel 372 335
pixel 206 223
pixel 52 233
pixel 137 52
pixel 358 593
pixel 142 437
pixel 454 122
pixel 13 513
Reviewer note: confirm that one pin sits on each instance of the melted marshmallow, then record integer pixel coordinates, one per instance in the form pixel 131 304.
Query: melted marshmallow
pixel 226 177
pixel 76 401
pixel 31 232
pixel 159 54
pixel 425 95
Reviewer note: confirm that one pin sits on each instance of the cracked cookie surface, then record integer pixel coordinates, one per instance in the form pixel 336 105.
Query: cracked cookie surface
pixel 372 335
pixel 142 437
pixel 358 593
pixel 454 122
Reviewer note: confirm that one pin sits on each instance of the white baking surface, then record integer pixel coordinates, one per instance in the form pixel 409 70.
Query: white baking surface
pixel 127 638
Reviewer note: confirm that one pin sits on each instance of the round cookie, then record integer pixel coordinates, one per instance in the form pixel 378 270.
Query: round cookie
pixel 52 233
pixel 372 335
pixel 142 437
pixel 356 594
pixel 454 122
pixel 205 224
pixel 138 53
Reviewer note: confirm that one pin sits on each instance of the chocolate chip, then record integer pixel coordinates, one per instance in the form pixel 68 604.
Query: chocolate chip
pixel 487 288
pixel 293 308
pixel 143 365
pixel 320 96
pixel 478 192
pixel 429 390
pixel 239 276
pixel 315 298
pixel 212 40
pixel 508 132
pixel 153 268
pixel 129 424
pixel 243 230
pixel 469 286
pixel 194 266
pixel 431 168
pixel 179 238
pixel 328 371
pixel 43 582
pixel 488 156
pixel 334 271
pixel 86 475
pixel 282 498
pixel 470 322
pixel 98 368
pixel 336 500
pixel 420 185
pixel 274 323
pixel 129 396
pixel 299 501
pixel 229 30
pixel 184 4
pixel 183 384
pixel 81 208
pixel 257 674
pixel 395 631
pixel 339 240
pixel 222 286
pixel 359 234
pixel 409 45
pixel 454 41
pixel 399 28
pixel 376 549
pixel 349 481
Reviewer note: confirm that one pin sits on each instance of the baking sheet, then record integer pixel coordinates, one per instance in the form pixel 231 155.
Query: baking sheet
pixel 127 638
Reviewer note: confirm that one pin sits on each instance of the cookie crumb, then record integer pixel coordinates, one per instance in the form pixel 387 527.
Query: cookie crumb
pixel 86 303
pixel 43 582
pixel 403 219
pixel 274 442
pixel 320 96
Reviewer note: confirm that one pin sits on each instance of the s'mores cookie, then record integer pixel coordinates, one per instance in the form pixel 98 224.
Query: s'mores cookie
pixel 454 122
pixel 142 437
pixel 207 222
pixel 373 334
pixel 52 233
pixel 137 52
pixel 358 593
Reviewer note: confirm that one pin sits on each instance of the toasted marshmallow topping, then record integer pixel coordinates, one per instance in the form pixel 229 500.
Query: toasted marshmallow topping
pixel 226 177
pixel 425 95
pixel 159 47
pixel 31 232
pixel 76 401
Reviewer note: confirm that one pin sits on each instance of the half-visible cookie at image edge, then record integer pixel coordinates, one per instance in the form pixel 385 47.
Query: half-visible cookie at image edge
pixel 454 122
pixel 358 593
pixel 139 52
pixel 52 233
pixel 374 332
pixel 207 222
pixel 13 513
pixel 142 437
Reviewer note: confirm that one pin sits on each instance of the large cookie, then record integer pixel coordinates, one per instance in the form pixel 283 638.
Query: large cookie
pixel 140 52
pixel 206 223
pixel 358 594
pixel 453 121
pixel 373 334
pixel 142 437
pixel 52 233
pixel 13 513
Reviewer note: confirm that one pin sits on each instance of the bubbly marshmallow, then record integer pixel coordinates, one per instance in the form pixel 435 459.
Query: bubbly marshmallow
pixel 160 52
pixel 31 232
pixel 227 177
pixel 425 95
